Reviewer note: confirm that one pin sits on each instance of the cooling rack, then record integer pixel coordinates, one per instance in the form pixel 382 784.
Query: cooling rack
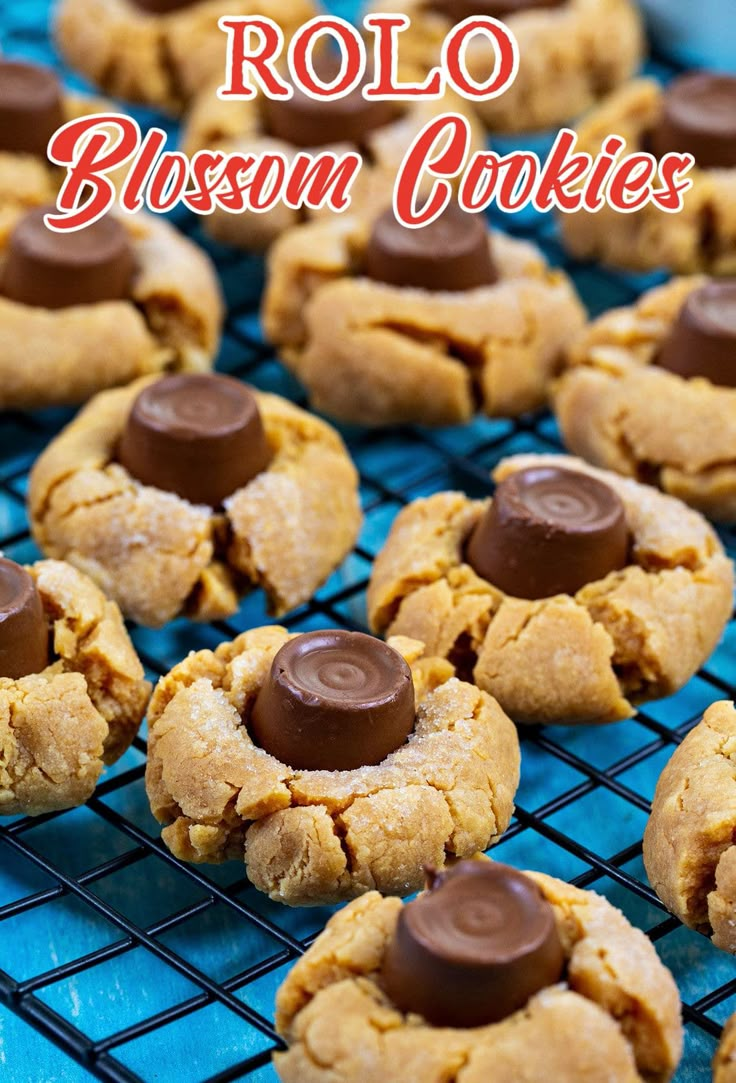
pixel 119 963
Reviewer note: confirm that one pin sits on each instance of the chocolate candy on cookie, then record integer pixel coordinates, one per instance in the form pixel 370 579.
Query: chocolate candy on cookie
pixel 451 253
pixel 698 117
pixel 24 629
pixel 334 701
pixel 164 7
pixel 197 435
pixel 474 948
pixel 54 270
pixel 702 342
pixel 549 531
pixel 31 107
pixel 497 9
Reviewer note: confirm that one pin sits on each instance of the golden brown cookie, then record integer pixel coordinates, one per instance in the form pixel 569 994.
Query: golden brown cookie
pixel 614 1019
pixel 689 847
pixel 160 556
pixel 566 61
pixel 59 727
pixel 613 398
pixel 240 127
pixel 171 320
pixel 310 837
pixel 638 634
pixel 378 354
pixel 724 1065
pixel 160 60
pixel 699 238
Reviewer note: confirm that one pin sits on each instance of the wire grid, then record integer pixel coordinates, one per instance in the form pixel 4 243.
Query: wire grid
pixel 139 968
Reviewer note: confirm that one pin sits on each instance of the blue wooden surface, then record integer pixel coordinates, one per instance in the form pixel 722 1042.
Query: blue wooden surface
pixel 135 985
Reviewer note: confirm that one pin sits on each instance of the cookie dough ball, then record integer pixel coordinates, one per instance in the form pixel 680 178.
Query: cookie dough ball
pixel 689 848
pixel 158 52
pixel 259 751
pixel 595 1005
pixel 724 1065
pixel 567 61
pixel 385 325
pixel 671 355
pixel 693 115
pixel 497 586
pixel 180 493
pixel 72 689
pixel 380 131
pixel 89 310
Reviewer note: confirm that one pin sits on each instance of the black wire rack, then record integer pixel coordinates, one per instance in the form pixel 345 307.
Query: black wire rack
pixel 140 968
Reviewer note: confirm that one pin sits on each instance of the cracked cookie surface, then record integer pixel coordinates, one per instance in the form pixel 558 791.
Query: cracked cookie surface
pixel 158 555
pixel 566 62
pixel 170 322
pixel 724 1065
pixel 689 842
pixel 160 60
pixel 59 727
pixel 612 398
pixel 638 634
pixel 376 354
pixel 615 1019
pixel 237 127
pixel 699 238
pixel 312 837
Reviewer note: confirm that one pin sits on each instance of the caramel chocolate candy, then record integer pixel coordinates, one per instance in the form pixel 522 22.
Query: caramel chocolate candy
pixel 164 7
pixel 306 122
pixel 199 436
pixel 452 253
pixel 24 630
pixel 31 108
pixel 464 9
pixel 334 701
pixel 703 339
pixel 699 118
pixel 57 270
pixel 549 531
pixel 474 948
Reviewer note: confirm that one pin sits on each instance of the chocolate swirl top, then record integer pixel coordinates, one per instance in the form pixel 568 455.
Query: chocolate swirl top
pixel 31 107
pixel 334 701
pixel 451 253
pixel 197 435
pixel 474 948
pixel 699 118
pixel 24 630
pixel 549 531
pixel 703 339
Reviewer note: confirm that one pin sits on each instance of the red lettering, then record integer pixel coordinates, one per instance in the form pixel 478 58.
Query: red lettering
pixel 506 51
pixel 88 155
pixel 561 170
pixel 632 177
pixel 385 83
pixel 313 179
pixel 352 51
pixel 672 170
pixel 593 199
pixel 453 131
pixel 261 60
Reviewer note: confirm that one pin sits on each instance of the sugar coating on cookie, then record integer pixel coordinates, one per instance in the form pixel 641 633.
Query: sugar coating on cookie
pixel 566 60
pixel 378 353
pixel 158 554
pixel 700 238
pixel 62 721
pixel 615 1015
pixel 668 356
pixel 638 633
pixel 317 836
pixel 689 849
pixel 158 53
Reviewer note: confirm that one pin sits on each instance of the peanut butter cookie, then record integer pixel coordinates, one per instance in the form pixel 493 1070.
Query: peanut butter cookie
pixel 175 530
pixel 724 1065
pixel 689 849
pixel 662 358
pixel 569 599
pixel 381 131
pixel 385 325
pixel 158 51
pixel 612 1015
pixel 702 236
pixel 566 61
pixel 72 690
pixel 312 836
pixel 84 311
